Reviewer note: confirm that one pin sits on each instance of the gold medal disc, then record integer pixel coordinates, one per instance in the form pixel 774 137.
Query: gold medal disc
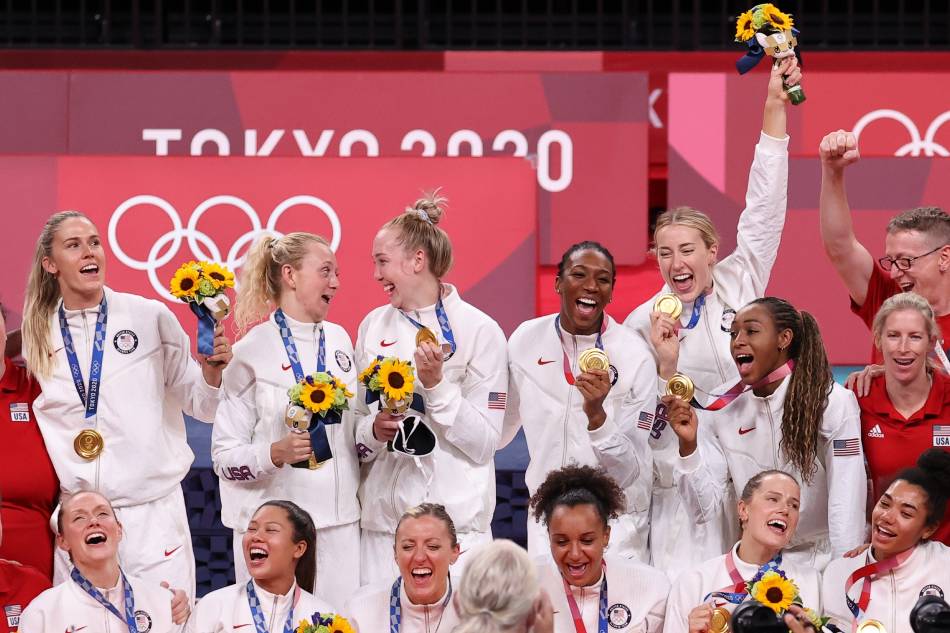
pixel 88 444
pixel 425 335
pixel 871 626
pixel 681 387
pixel 720 620
pixel 669 304
pixel 593 358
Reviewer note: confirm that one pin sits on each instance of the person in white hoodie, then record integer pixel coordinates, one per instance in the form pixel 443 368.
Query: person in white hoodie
pixel 252 448
pixel 785 413
pixel 687 250
pixel 116 372
pixel 419 600
pixel 902 564
pixel 768 513
pixel 597 417
pixel 277 550
pixel 588 585
pixel 458 353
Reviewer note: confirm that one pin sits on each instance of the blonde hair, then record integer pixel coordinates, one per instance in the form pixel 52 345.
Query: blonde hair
pixel 435 510
pixel 904 301
pixel 690 217
pixel 418 230
pixel 42 295
pixel 260 285
pixel 498 589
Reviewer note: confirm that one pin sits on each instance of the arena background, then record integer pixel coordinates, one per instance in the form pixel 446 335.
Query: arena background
pixel 186 129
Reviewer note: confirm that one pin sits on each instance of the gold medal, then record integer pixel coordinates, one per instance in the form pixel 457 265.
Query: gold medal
pixel 669 304
pixel 871 626
pixel 88 444
pixel 425 335
pixel 593 358
pixel 720 620
pixel 680 386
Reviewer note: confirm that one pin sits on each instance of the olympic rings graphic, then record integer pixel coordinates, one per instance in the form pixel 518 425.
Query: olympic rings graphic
pixel 927 145
pixel 201 245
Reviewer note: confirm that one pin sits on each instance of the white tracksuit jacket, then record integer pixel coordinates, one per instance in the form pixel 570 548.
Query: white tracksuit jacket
pixel 551 411
pixel 226 610
pixel 251 418
pixel 744 438
pixel 461 468
pixel 692 586
pixel 704 350
pixel 66 607
pixel 368 609
pixel 893 594
pixel 148 378
pixel 636 597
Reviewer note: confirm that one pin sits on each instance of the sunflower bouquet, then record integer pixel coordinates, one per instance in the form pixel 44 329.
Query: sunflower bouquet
pixel 775 590
pixel 391 381
pixel 201 285
pixel 765 30
pixel 319 623
pixel 316 400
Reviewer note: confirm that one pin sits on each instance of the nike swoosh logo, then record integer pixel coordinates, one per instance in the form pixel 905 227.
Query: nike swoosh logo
pixel 285 367
pixel 170 552
pixel 744 431
pixel 240 626
pixel 542 362
pixel 73 629
pixel 385 344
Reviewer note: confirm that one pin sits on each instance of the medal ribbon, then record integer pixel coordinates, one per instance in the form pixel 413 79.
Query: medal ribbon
pixel 739 388
pixel 88 587
pixel 697 311
pixel 95 368
pixel 602 610
pixel 443 324
pixel 206 325
pixel 736 592
pixel 568 375
pixel 871 569
pixel 395 605
pixel 257 614
pixel 942 356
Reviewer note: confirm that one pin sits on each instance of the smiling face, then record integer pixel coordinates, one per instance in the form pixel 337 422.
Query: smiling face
pixel 400 272
pixel 90 531
pixel 899 520
pixel 905 344
pixel 924 276
pixel 270 551
pixel 313 285
pixel 770 516
pixel 686 263
pixel 77 260
pixel 756 343
pixel 423 553
pixel 578 539
pixel 586 286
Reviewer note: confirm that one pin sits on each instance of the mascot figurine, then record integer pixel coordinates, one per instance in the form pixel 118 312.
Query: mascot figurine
pixel 768 31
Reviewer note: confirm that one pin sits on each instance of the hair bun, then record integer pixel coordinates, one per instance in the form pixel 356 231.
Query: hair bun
pixel 431 204
pixel 936 463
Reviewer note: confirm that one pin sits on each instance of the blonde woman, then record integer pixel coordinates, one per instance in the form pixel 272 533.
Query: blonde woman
pixel 116 373
pixel 291 281
pixel 461 376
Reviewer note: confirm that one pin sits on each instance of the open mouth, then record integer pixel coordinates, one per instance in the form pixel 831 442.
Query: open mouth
pixel 576 571
pixel 388 288
pixel 586 306
pixel 743 361
pixel 778 525
pixel 682 282
pixel 906 286
pixel 904 362
pixel 884 532
pixel 326 298
pixel 257 554
pixel 90 270
pixel 95 538
pixel 421 575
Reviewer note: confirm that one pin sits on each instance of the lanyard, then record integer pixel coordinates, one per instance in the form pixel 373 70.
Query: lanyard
pixel 292 357
pixel 443 324
pixel 942 356
pixel 697 311
pixel 395 606
pixel 602 610
pixel 257 614
pixel 87 586
pixel 736 592
pixel 95 368
pixel 871 569
pixel 568 374
pixel 739 388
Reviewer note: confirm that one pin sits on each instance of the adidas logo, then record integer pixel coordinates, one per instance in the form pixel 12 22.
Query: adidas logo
pixel 876 432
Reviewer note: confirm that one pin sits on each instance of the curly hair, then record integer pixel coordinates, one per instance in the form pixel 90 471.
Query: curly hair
pixel 929 220
pixel 808 388
pixel 932 475
pixel 578 485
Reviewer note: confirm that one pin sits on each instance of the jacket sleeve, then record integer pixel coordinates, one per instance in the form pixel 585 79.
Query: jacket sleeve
pixel 460 412
pixel 681 601
pixel 702 476
pixel 32 620
pixel 660 588
pixel 847 479
pixel 833 604
pixel 182 374
pixel 367 446
pixel 512 421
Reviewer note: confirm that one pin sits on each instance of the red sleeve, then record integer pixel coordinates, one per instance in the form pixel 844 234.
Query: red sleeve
pixel 880 287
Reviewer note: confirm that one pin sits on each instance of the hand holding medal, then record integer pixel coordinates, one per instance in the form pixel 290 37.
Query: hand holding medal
pixel 429 356
pixel 594 385
pixel 682 419
pixel 664 332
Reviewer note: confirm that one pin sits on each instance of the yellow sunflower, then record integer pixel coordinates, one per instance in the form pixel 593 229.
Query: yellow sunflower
pixel 340 625
pixel 317 397
pixel 396 379
pixel 775 592
pixel 367 373
pixel 303 627
pixel 220 276
pixel 781 21
pixel 745 31
pixel 184 284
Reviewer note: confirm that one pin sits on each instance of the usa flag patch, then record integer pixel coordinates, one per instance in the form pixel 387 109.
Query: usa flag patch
pixel 19 412
pixel 13 611
pixel 497 400
pixel 843 448
pixel 645 421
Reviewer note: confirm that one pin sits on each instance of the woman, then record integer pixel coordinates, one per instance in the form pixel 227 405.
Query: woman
pixel 19 585
pixel 420 599
pixel 499 593
pixel 98 594
pixel 768 514
pixel 277 550
pixel 252 448
pixel 687 249
pixel 575 503
pixel 598 417
pixel 903 563
pixel 787 413
pixel 460 375
pixel 28 483
pixel 142 371
pixel 906 410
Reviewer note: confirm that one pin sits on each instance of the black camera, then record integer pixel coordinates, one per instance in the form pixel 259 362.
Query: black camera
pixel 754 617
pixel 931 614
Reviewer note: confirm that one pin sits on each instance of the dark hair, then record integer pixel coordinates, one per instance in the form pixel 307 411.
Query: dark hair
pixel 756 482
pixel 304 530
pixel 587 245
pixel 808 388
pixel 435 510
pixel 578 485
pixel 932 474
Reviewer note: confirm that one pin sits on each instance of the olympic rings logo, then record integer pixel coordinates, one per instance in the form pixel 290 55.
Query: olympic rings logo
pixel 201 245
pixel 927 145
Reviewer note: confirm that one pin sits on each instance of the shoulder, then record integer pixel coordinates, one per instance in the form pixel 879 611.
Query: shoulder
pixel 474 317
pixel 640 317
pixel 315 604
pixel 51 599
pixel 261 334
pixel 137 304
pixel 215 600
pixel 28 581
pixel 337 332
pixel 636 574
pixel 366 599
pixel 530 328
pixel 839 569
pixel 374 316
pixel 841 400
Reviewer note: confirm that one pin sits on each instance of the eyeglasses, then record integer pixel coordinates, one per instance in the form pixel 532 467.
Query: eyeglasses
pixel 903 263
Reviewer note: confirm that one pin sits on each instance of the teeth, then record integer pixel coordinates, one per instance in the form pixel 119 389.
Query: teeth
pixel 91 268
pixel 744 358
pixel 421 571
pixel 682 277
pixel 884 532
pixel 95 538
pixel 778 524
pixel 904 361
pixel 586 301
pixel 257 553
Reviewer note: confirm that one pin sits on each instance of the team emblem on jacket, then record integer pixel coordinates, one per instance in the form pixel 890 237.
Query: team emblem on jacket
pixel 619 615
pixel 343 361
pixel 728 316
pixel 931 590
pixel 125 341
pixel 13 611
pixel 613 374
pixel 143 621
